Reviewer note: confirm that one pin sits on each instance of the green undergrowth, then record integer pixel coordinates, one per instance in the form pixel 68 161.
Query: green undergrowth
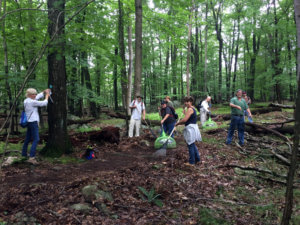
pixel 64 160
pixel 208 217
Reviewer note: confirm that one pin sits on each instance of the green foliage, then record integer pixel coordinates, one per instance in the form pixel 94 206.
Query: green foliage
pixel 207 217
pixel 64 160
pixel 150 196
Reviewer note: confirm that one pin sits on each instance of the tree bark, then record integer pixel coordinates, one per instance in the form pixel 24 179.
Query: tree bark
pixel 138 47
pixel 205 58
pixel 188 55
pixel 130 66
pixel 6 70
pixel 288 209
pixel 124 82
pixel 218 27
pixel 115 75
pixel 58 141
pixel 238 10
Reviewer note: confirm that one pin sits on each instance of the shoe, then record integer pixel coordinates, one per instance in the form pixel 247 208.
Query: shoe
pixel 32 160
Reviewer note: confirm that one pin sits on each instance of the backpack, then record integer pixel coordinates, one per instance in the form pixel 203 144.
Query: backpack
pixel 199 106
pixel 89 153
pixel 23 119
pixel 174 112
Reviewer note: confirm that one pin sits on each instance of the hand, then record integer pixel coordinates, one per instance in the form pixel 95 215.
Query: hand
pixel 250 115
pixel 144 118
pixel 239 107
pixel 162 121
pixel 47 91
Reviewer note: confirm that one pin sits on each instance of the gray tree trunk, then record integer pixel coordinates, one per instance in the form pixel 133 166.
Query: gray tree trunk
pixel 288 209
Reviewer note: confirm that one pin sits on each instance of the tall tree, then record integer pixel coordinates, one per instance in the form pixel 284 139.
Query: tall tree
pixel 138 47
pixel 58 140
pixel 124 82
pixel 130 66
pixel 288 209
pixel 217 14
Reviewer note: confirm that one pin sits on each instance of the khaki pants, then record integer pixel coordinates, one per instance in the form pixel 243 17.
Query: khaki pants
pixel 134 123
pixel 203 116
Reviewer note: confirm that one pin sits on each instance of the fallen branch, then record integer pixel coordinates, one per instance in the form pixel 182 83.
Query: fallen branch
pixel 254 125
pixel 252 169
pixel 282 106
pixel 281 158
pixel 281 123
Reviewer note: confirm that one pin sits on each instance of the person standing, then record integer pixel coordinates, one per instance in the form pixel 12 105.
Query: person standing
pixel 169 102
pixel 191 131
pixel 168 120
pixel 238 106
pixel 204 109
pixel 138 109
pixel 31 105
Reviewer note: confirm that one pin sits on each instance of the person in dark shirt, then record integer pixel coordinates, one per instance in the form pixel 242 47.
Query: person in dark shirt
pixel 168 120
pixel 191 131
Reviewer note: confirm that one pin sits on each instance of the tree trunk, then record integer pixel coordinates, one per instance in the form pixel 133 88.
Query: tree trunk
pixel 7 85
pixel 130 66
pixel 138 48
pixel 205 90
pixel 288 209
pixel 218 27
pixel 58 141
pixel 238 10
pixel 115 75
pixel 72 103
pixel 174 70
pixel 124 82
pixel 166 75
pixel 188 56
pixel 98 77
pixel 87 78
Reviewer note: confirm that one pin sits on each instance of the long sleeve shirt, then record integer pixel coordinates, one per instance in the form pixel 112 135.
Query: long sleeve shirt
pixel 31 107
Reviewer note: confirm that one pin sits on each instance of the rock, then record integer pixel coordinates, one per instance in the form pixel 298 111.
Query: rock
pixel 160 153
pixel 57 168
pixel 84 127
pixel 23 218
pixel 9 161
pixel 102 208
pixel 73 126
pixel 145 143
pixel 81 207
pixel 73 117
pixel 89 192
pixel 92 193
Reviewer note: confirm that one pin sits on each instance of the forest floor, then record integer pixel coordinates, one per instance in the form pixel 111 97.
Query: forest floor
pixel 139 189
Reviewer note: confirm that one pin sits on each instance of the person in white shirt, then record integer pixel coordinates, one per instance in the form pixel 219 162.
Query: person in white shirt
pixel 204 110
pixel 138 109
pixel 31 105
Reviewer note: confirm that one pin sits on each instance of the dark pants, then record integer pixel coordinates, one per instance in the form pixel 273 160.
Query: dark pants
pixel 168 127
pixel 194 154
pixel 239 123
pixel 31 134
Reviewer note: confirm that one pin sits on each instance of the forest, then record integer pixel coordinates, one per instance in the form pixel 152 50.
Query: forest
pixel 94 57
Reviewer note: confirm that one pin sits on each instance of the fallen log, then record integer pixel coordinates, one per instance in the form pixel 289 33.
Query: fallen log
pixel 252 169
pixel 80 121
pixel 282 106
pixel 278 134
pixel 254 112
